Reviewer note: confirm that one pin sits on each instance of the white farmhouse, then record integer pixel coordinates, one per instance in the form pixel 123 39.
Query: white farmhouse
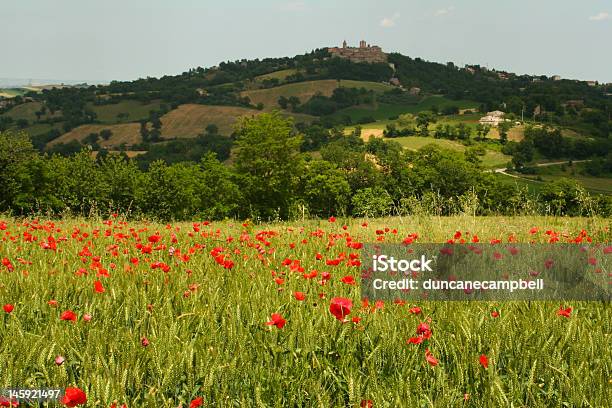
pixel 492 118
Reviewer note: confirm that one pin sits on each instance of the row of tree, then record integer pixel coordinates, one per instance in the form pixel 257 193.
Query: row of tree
pixel 270 178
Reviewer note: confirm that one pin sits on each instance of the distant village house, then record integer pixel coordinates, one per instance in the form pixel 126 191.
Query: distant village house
pixel 492 118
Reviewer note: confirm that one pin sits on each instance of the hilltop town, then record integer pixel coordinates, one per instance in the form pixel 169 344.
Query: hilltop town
pixel 364 53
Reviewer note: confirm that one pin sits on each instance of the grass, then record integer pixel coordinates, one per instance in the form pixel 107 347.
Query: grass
pixel 206 325
pixel 12 92
pixel 491 159
pixel 40 128
pixel 544 174
pixel 280 75
pixel 136 110
pixel 28 111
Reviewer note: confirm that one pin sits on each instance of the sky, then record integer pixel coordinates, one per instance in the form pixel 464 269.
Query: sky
pixel 104 40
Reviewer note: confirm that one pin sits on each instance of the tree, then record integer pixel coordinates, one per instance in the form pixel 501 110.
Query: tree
pixel 423 120
pixel 482 131
pixel 503 129
pixel 16 156
pixel 91 139
pixel 155 135
pixel 106 134
pixel 212 129
pixel 326 190
pixel 220 196
pixel 283 102
pixel 372 202
pixel 464 132
pixel 144 131
pixel 294 101
pixel 268 162
pixel 523 153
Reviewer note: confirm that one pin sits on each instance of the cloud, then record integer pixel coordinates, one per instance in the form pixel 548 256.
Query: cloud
pixel 444 11
pixel 389 21
pixel 295 6
pixel 600 16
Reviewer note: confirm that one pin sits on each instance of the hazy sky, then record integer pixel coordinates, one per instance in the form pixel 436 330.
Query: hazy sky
pixel 128 39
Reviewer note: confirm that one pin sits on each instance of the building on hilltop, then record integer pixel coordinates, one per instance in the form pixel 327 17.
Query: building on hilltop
pixel 364 53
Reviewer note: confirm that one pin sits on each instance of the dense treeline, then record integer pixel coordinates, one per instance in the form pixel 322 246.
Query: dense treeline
pixel 270 178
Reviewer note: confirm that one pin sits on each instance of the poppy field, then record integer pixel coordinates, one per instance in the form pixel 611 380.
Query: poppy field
pixel 231 314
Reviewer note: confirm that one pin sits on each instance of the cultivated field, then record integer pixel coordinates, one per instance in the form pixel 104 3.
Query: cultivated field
pixel 190 120
pixel 128 133
pixel 306 90
pixel 136 111
pixel 160 315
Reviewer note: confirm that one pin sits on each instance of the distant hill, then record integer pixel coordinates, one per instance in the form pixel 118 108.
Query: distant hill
pixel 314 88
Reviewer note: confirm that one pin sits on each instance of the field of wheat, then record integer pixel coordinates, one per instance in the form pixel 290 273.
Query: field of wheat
pixel 232 314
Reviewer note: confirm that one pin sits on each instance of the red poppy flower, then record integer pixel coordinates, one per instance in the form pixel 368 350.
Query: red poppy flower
pixel 366 404
pixel 484 361
pixel 415 340
pixel 349 280
pixel 430 358
pixel 415 310
pixel 98 288
pixel 196 402
pixel 69 315
pixel 299 296
pixel 277 320
pixel 494 314
pixel 144 342
pixel 74 397
pixel 567 312
pixel 423 328
pixel 4 402
pixel 340 307
pixel 8 308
